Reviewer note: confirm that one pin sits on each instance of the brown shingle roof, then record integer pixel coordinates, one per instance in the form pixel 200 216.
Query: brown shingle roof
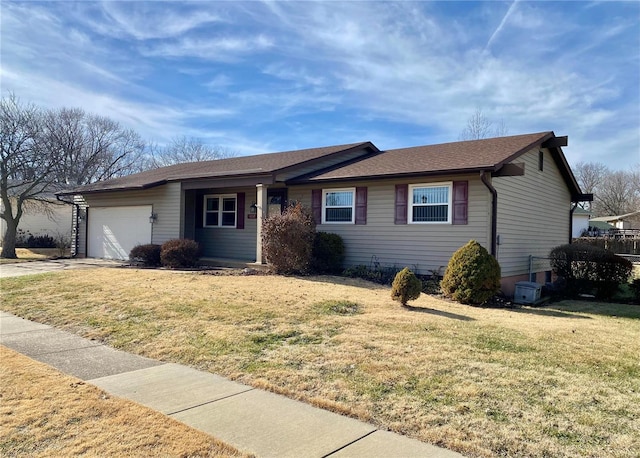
pixel 465 156
pixel 236 166
pixel 446 158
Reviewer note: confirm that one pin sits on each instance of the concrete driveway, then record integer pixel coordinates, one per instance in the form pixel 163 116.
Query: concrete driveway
pixel 19 269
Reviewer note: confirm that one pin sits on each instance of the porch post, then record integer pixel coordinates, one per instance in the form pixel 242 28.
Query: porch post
pixel 261 202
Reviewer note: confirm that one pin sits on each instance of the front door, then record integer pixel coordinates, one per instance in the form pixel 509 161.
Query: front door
pixel 276 201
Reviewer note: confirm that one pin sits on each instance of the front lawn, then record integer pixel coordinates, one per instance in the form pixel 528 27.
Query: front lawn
pixel 557 381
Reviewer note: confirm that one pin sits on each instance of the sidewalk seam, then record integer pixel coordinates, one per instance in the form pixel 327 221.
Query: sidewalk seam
pixel 212 401
pixel 64 351
pixel 350 443
pixel 30 330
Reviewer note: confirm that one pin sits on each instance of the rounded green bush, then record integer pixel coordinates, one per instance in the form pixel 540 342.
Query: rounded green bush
pixel 328 253
pixel 178 253
pixel 406 287
pixel 472 276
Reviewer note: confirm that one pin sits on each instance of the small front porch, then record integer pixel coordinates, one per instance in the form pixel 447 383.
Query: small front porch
pixel 227 221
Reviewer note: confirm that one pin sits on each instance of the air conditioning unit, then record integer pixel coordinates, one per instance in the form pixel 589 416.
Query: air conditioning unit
pixel 527 292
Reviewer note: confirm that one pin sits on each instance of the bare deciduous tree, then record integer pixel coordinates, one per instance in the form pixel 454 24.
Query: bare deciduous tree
pixel 590 176
pixel 479 127
pixel 617 195
pixel 615 192
pixel 42 150
pixel 186 149
pixel 27 168
pixel 90 147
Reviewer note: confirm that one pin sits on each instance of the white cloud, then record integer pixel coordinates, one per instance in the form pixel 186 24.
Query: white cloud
pixel 226 48
pixel 298 76
pixel 149 20
pixel 219 83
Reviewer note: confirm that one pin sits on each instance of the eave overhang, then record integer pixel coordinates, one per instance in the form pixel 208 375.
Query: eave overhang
pixel 81 191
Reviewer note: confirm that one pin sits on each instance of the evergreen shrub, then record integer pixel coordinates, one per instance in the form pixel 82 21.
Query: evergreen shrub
pixel 328 253
pixel 405 287
pixel 635 288
pixel 472 275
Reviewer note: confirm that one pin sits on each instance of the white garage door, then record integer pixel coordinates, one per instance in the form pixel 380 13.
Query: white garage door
pixel 113 231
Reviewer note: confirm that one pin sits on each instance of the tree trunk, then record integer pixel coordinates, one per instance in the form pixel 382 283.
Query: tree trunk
pixel 9 241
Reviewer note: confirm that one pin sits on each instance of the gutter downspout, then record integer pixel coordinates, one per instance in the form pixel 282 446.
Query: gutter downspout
pixel 573 208
pixel 76 229
pixel 494 210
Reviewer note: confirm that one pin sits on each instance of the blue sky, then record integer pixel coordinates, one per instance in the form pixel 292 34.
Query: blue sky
pixel 266 76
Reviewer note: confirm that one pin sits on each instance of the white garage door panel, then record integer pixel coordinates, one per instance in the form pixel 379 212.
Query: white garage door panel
pixel 113 231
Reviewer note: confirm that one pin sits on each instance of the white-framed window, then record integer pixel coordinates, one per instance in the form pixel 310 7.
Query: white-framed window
pixel 430 203
pixel 338 206
pixel 220 210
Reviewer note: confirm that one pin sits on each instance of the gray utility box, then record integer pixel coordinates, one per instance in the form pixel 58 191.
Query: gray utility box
pixel 527 292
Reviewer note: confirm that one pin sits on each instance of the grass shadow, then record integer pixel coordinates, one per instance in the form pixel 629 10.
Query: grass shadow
pixel 453 316
pixel 597 308
pixel 550 313
pixel 340 280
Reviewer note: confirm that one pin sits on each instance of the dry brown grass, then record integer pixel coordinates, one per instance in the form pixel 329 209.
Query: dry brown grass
pixel 46 413
pixel 561 381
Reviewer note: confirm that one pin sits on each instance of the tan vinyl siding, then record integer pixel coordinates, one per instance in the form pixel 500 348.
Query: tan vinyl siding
pixel 165 200
pixel 533 214
pixel 227 242
pixel 421 246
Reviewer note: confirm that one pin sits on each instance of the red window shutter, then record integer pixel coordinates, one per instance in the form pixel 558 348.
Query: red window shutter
pixel 361 205
pixel 240 210
pixel 316 205
pixel 460 201
pixel 402 203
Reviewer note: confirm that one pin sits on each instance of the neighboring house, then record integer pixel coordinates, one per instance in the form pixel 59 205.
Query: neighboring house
pixel 626 221
pixel 580 223
pixel 599 228
pixel 405 207
pixel 47 216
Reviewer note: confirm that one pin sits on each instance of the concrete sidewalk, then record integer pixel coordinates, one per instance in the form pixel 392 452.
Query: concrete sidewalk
pixel 252 420
pixel 19 269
